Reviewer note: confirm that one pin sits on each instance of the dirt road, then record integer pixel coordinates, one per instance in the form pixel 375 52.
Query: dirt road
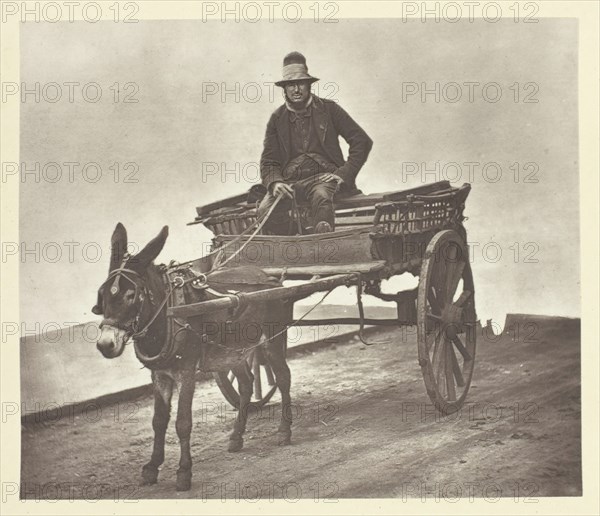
pixel 364 428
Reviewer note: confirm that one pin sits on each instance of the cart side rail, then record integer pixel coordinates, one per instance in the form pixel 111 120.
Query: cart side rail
pixel 407 211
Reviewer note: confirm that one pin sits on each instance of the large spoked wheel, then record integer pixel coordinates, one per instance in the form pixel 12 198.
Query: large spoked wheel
pixel 446 321
pixel 264 382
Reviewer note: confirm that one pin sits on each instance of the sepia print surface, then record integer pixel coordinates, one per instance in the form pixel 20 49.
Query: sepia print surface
pixel 279 253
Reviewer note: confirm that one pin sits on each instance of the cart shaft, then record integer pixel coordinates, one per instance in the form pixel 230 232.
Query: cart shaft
pixel 272 294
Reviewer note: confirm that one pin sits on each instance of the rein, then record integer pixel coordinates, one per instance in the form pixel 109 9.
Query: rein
pixel 254 233
pixel 144 330
pixel 198 281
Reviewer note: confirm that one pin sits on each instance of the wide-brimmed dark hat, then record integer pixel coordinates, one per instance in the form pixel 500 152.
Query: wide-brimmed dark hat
pixel 295 69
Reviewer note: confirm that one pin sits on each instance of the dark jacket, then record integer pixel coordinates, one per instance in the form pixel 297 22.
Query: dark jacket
pixel 330 121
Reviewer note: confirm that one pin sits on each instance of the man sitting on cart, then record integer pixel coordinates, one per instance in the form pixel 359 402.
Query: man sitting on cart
pixel 302 158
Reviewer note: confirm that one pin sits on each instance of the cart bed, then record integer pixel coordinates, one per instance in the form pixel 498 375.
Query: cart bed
pixel 378 235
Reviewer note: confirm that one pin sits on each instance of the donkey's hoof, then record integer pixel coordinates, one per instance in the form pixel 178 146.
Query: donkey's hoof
pixel 235 445
pixel 149 476
pixel 285 438
pixel 184 481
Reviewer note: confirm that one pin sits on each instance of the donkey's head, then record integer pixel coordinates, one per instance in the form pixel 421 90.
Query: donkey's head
pixel 123 299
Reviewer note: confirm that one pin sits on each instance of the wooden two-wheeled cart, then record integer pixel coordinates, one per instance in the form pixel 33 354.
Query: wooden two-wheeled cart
pixel 418 231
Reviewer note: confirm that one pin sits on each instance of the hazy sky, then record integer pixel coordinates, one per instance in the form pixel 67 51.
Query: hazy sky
pixel 367 65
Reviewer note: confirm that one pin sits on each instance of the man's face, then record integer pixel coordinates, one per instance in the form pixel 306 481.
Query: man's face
pixel 297 92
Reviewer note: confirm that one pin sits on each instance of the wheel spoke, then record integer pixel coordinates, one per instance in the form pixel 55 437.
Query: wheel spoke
pixel 440 366
pixel 455 271
pixel 450 374
pixel 463 298
pixel 437 352
pixel 440 277
pixel 460 346
pixel 269 373
pixel 436 307
pixel 225 382
pixel 429 339
pixel 436 334
pixel 433 324
pixel 257 379
pixel 440 293
pixel 460 381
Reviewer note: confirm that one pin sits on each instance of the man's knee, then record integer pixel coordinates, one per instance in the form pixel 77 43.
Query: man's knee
pixel 323 192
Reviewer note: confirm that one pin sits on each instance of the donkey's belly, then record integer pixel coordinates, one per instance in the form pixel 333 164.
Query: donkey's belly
pixel 232 339
pixel 217 359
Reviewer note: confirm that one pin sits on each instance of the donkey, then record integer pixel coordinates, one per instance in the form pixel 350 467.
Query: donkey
pixel 134 296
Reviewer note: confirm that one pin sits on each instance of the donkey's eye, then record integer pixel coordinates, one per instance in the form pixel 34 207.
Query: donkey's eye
pixel 130 296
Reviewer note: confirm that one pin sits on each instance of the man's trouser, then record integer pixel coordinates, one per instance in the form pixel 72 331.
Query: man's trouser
pixel 314 190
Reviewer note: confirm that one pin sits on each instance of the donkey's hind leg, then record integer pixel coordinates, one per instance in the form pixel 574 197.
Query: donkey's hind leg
pixel 245 380
pixel 163 391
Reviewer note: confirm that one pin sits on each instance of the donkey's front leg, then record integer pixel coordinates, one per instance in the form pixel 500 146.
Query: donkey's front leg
pixel 245 379
pixel 184 429
pixel 163 391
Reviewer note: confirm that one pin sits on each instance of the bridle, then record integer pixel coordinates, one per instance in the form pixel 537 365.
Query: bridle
pixel 141 293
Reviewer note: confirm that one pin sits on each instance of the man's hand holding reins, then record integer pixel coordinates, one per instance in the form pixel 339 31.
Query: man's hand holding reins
pixel 283 188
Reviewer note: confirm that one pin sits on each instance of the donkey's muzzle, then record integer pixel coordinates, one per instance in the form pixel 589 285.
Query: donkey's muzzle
pixel 112 341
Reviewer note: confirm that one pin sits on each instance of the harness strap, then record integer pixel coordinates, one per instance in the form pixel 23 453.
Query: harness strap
pixel 172 345
pixel 144 330
pixel 243 351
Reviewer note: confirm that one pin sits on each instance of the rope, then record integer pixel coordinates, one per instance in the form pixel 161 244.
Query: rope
pixel 238 237
pixel 361 312
pixel 296 212
pixel 260 226
pixel 220 249
pixel 361 315
pixel 297 320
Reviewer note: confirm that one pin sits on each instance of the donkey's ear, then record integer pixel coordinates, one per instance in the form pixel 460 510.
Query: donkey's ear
pixel 118 246
pixel 152 249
